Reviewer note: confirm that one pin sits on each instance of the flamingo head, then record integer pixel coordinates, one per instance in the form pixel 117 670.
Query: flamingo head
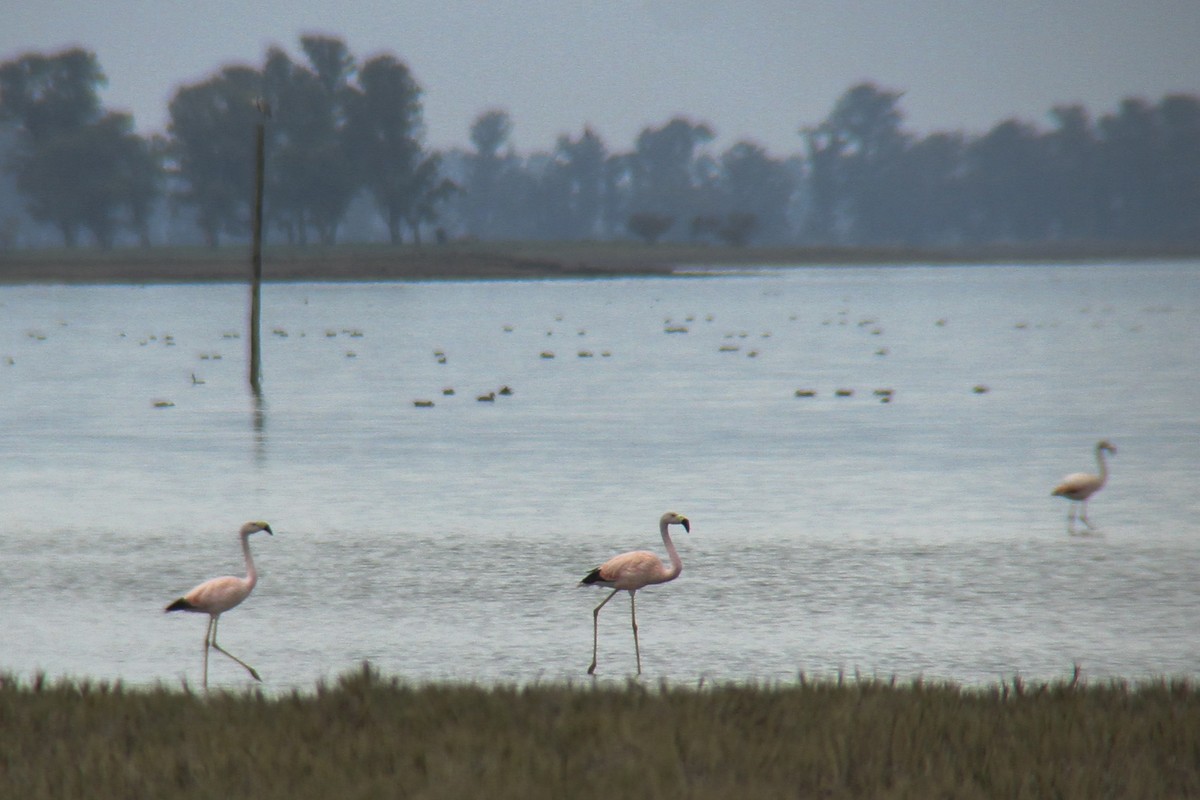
pixel 1105 444
pixel 254 527
pixel 671 518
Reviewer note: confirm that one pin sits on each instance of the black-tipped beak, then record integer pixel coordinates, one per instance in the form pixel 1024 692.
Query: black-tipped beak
pixel 687 526
pixel 267 528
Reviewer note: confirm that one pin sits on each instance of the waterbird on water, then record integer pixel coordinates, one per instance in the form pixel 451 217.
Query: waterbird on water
pixel 216 596
pixel 632 571
pixel 1079 486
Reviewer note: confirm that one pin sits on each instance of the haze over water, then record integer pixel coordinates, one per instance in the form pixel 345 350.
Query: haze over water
pixel 915 537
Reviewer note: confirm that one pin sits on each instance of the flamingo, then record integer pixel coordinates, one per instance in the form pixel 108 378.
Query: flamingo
pixel 216 596
pixel 1080 486
pixel 632 571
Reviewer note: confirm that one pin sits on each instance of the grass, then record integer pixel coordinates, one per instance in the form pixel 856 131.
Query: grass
pixel 367 736
pixel 166 264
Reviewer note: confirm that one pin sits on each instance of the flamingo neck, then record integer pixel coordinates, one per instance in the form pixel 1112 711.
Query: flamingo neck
pixel 1103 465
pixel 672 553
pixel 251 572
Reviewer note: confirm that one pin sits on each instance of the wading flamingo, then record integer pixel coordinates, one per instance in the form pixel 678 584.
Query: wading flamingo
pixel 632 571
pixel 1082 485
pixel 215 597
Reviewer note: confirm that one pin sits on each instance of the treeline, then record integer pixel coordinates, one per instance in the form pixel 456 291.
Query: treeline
pixel 347 161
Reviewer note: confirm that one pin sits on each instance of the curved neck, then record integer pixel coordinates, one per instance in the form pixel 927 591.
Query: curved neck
pixel 672 553
pixel 1103 464
pixel 251 572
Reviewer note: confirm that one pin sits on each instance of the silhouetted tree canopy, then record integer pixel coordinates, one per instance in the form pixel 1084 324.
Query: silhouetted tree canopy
pixel 650 227
pixel 345 143
pixel 212 144
pixel 77 167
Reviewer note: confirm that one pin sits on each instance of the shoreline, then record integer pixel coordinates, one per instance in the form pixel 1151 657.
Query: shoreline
pixel 508 261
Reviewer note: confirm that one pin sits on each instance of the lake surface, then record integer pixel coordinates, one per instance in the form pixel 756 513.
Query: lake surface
pixel 916 537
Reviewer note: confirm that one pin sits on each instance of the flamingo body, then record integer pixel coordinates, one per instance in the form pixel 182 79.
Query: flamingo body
pixel 632 571
pixel 217 595
pixel 1079 486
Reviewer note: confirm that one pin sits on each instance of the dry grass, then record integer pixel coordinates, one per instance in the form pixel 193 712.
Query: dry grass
pixel 371 737
pixel 487 260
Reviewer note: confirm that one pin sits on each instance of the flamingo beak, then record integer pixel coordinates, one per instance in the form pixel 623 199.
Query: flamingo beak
pixel 686 525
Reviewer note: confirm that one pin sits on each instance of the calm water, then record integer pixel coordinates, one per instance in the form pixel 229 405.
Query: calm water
pixel 911 538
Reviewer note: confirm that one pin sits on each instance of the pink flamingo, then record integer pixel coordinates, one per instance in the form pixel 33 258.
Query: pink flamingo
pixel 216 596
pixel 1079 486
pixel 632 571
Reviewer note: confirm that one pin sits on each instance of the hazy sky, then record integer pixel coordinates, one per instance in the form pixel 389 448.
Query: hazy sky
pixel 751 69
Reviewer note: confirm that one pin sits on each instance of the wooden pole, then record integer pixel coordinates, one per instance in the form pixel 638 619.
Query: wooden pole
pixel 256 261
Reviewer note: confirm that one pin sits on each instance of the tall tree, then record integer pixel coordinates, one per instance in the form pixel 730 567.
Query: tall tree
pixel 1130 147
pixel 758 186
pixel 1006 182
pixel 212 144
pixel 1072 156
pixel 489 133
pixel 931 170
pixel 77 168
pixel 574 187
pixel 51 95
pixel 312 181
pixel 858 148
pixel 664 178
pixel 384 128
pixel 1180 176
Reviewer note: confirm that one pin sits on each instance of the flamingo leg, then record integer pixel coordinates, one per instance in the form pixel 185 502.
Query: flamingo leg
pixel 596 630
pixel 250 669
pixel 1084 516
pixel 207 634
pixel 633 616
pixel 1071 518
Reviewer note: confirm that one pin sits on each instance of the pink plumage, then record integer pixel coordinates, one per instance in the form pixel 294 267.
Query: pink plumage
pixel 217 595
pixel 632 571
pixel 1079 486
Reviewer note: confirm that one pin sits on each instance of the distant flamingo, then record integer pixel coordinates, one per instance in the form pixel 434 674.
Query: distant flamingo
pixel 1082 485
pixel 215 597
pixel 632 571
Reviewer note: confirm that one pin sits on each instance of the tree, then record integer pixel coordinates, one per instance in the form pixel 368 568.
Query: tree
pixel 1006 184
pixel 312 180
pixel 573 187
pixel 77 168
pixel 738 228
pixel 489 133
pixel 932 171
pixel 650 227
pixel 212 145
pixel 1180 176
pixel 754 185
pixel 827 197
pixel 429 190
pixel 384 128
pixel 48 96
pixel 663 168
pixel 857 150
pixel 1072 151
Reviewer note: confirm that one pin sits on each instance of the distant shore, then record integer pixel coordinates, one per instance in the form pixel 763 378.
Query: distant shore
pixel 506 261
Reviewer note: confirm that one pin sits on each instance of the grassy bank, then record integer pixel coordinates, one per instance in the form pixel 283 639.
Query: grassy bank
pixel 371 737
pixel 496 260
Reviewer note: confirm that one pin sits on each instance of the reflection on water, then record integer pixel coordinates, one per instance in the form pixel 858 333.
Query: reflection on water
pixel 260 426
pixel 445 539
